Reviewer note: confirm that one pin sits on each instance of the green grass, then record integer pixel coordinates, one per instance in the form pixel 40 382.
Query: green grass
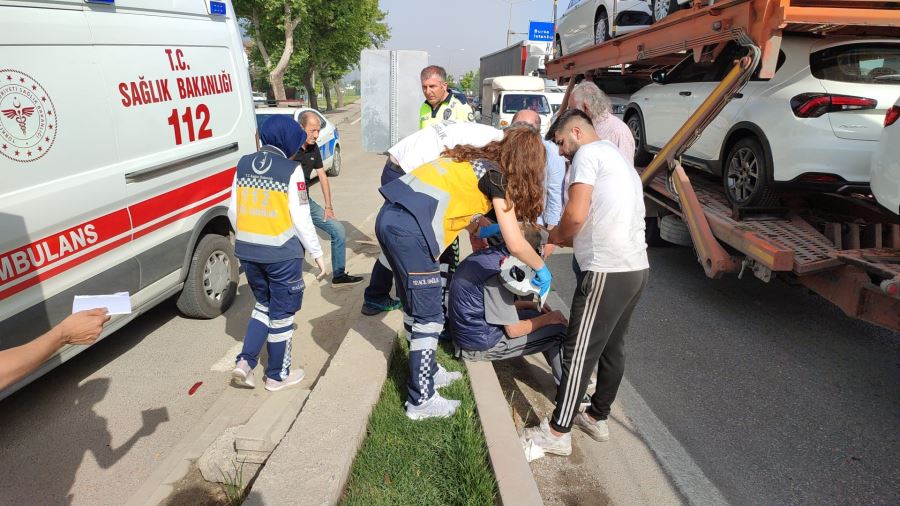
pixel 428 462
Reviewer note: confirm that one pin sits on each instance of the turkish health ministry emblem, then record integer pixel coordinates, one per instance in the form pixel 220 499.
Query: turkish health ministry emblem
pixel 27 117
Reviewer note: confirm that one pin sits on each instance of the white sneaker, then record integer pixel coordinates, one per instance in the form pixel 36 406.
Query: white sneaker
pixel 296 376
pixel 242 374
pixel 541 436
pixel 436 407
pixel 443 377
pixel 597 429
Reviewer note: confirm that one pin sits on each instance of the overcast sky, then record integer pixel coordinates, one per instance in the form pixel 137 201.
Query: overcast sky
pixel 456 33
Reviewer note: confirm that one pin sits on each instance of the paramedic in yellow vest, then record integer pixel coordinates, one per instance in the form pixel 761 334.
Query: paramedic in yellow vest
pixel 269 211
pixel 425 211
pixel 440 104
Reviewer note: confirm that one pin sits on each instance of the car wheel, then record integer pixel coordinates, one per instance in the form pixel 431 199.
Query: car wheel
pixel 557 48
pixel 745 175
pixel 212 279
pixel 641 156
pixel 662 8
pixel 335 169
pixel 601 28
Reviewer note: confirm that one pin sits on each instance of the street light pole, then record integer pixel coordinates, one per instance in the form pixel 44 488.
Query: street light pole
pixel 509 18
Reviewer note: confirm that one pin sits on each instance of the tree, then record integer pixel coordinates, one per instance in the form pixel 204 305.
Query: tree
pixel 335 35
pixel 272 25
pixel 469 81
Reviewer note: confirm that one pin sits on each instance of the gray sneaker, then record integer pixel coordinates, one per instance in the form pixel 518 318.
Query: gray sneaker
pixel 597 429
pixel 242 374
pixel 296 376
pixel 541 436
pixel 436 407
pixel 443 377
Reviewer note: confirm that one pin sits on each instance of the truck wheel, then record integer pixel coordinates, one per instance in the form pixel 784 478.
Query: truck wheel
pixel 641 156
pixel 674 230
pixel 745 175
pixel 601 27
pixel 662 8
pixel 335 169
pixel 651 232
pixel 212 279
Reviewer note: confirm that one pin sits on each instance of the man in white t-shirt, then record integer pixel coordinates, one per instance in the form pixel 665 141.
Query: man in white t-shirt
pixel 604 220
pixel 411 152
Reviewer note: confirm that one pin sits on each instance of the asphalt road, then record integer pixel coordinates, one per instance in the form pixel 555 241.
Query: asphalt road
pixel 776 395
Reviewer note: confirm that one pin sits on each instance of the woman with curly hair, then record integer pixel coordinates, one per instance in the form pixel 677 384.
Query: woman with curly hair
pixel 424 212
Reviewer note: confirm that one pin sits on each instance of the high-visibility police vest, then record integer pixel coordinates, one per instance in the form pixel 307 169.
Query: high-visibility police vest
pixel 443 196
pixel 451 108
pixel 265 232
pixel 465 312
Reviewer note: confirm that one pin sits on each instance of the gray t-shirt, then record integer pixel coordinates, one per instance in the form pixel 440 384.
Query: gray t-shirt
pixel 499 303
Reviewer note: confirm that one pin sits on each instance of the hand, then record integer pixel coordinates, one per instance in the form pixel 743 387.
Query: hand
pixel 557 318
pixel 83 327
pixel 542 280
pixel 320 263
pixel 548 250
pixel 546 309
pixel 477 244
pixel 329 214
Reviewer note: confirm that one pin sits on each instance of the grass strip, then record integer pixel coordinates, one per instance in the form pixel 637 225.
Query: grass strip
pixel 428 462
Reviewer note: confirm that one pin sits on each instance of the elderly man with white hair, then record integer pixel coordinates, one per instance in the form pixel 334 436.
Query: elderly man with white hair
pixel 590 99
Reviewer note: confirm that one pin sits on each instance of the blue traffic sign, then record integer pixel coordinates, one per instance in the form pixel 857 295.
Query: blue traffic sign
pixel 540 31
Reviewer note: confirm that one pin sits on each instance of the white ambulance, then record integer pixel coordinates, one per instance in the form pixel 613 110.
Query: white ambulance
pixel 121 123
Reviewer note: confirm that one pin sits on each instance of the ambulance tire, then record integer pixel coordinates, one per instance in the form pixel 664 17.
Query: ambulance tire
pixel 211 283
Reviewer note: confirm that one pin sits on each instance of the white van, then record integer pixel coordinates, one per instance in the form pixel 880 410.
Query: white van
pixel 121 123
pixel 502 97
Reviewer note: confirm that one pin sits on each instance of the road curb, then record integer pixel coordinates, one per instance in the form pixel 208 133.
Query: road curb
pixel 312 463
pixel 515 480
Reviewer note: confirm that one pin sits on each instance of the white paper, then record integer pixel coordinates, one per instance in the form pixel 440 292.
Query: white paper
pixel 532 451
pixel 117 303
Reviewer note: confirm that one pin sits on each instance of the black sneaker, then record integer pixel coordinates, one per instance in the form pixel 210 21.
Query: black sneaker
pixel 346 279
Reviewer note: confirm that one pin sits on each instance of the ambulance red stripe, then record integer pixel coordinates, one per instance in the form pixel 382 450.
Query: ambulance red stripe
pixel 117 223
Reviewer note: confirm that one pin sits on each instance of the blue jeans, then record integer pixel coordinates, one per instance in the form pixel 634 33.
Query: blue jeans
pixel 278 289
pixel 335 230
pixel 418 280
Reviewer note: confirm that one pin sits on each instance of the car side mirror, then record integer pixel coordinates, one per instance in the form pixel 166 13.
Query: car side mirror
pixel 495 109
pixel 658 77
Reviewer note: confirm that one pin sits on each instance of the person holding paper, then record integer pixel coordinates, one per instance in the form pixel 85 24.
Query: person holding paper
pixel 81 328
pixel 269 211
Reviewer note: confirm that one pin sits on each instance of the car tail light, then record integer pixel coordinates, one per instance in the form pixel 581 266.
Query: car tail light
pixel 813 105
pixel 892 115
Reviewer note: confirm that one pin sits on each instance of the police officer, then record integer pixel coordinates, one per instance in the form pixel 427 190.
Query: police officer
pixel 440 104
pixel 269 211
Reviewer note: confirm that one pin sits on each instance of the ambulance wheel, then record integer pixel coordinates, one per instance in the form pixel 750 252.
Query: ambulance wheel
pixel 335 169
pixel 212 279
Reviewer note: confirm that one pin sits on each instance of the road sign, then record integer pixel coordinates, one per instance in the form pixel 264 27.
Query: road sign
pixel 540 31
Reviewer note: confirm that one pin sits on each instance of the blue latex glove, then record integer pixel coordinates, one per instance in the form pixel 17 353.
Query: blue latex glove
pixel 542 280
pixel 489 231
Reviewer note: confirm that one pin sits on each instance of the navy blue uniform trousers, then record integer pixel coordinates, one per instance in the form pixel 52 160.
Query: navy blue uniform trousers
pixel 418 280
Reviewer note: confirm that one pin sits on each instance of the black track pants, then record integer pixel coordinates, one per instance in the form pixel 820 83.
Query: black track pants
pixel 601 309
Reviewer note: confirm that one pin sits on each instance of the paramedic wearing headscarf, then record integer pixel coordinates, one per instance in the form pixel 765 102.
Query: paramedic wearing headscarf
pixel 269 211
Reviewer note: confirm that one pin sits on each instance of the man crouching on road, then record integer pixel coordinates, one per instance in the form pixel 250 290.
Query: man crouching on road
pixel 269 211
pixel 487 323
pixel 604 220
